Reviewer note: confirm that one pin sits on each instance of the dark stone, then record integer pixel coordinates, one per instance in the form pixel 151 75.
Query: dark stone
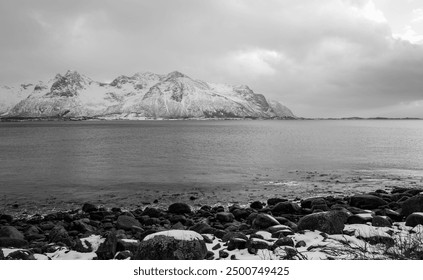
pixel 1 255
pixel 223 254
pixel 286 208
pixel 7 218
pixel 209 255
pixel 217 246
pixel 331 222
pixel 127 222
pixel 263 221
pixel 60 234
pixel 275 200
pixel 225 217
pixel 284 241
pixel 308 202
pixel 237 243
pixel 82 227
pixel 411 205
pixel 254 244
pixel 107 249
pixel 21 255
pixel 366 201
pixel 179 208
pixel 162 247
pixel 178 225
pixel 231 235
pixel 124 255
pixel 256 205
pixel 359 219
pixel 98 215
pixel 201 228
pixel 379 221
pixel 414 219
pixel 48 225
pixel 88 207
pixel 219 233
pixel 11 237
pixel 152 212
pixel 393 215
pixel 127 246
pixel 241 214
pixel 300 243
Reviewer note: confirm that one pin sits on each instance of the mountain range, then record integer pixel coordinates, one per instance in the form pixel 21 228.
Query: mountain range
pixel 141 96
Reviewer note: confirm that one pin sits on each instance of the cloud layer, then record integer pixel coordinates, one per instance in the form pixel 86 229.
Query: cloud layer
pixel 321 58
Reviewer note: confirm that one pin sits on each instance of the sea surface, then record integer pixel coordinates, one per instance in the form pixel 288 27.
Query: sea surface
pixel 39 155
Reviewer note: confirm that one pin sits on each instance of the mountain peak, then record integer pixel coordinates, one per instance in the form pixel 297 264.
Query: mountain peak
pixel 176 74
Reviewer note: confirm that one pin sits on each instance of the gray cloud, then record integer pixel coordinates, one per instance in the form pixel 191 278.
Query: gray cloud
pixel 330 58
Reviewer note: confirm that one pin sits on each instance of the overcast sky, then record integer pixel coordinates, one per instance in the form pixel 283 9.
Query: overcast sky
pixel 327 58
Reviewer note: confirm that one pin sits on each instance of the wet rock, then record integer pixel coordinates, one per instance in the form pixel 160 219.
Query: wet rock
pixel 201 228
pixel 230 235
pixel 225 217
pixel 331 222
pixel 7 218
pixel 178 225
pixel 256 205
pixel 179 208
pixel 308 202
pixel 127 223
pixel 209 255
pixel 1 255
pixel 82 226
pixel 300 243
pixel 255 244
pixel 379 221
pixel 107 249
pixel 411 205
pixel 124 255
pixel 11 237
pixel 393 215
pixel 263 221
pixel 172 245
pixel 48 225
pixel 88 207
pixel 127 245
pixel 359 218
pixel 366 201
pixel 414 219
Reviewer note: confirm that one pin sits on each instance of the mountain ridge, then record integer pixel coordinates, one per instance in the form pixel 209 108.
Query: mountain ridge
pixel 140 96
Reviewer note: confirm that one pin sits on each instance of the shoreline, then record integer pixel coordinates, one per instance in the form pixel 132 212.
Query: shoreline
pixel 271 222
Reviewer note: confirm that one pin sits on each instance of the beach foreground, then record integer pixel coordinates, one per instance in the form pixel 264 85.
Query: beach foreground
pixel 385 223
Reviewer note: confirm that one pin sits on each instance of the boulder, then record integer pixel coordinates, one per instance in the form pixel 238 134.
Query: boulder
pixel 380 221
pixel 414 219
pixel 254 244
pixel 360 218
pixel 152 212
pixel 172 245
pixel 231 235
pixel 179 208
pixel 330 222
pixel 237 243
pixel 256 205
pixel 11 237
pixel 308 202
pixel 127 222
pixel 284 241
pixel 241 214
pixel 411 205
pixel 275 200
pixel 88 207
pixel 366 201
pixel 263 221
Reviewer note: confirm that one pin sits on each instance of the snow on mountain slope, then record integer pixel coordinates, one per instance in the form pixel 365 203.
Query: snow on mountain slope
pixel 143 95
pixel 11 95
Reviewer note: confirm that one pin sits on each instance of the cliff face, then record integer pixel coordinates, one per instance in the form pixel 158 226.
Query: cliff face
pixel 143 95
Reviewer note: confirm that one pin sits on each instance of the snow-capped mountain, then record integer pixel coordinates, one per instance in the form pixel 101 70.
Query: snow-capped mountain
pixel 143 95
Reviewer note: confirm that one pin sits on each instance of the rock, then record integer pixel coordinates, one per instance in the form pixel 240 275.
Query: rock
pixel 379 221
pixel 152 212
pixel 254 244
pixel 172 245
pixel 393 215
pixel 201 228
pixel 60 234
pixel 237 243
pixel 127 222
pixel 414 219
pixel 300 243
pixel 359 218
pixel 124 245
pixel 88 207
pixel 225 217
pixel 21 255
pixel 263 221
pixel 231 235
pixel 82 227
pixel 209 255
pixel 11 237
pixel 223 254
pixel 256 205
pixel 6 217
pixel 284 241
pixel 411 205
pixel 308 202
pixel 48 225
pixel 179 208
pixel 366 201
pixel 123 255
pixel 277 228
pixel 330 222
pixel 178 225
pixel 107 249
pixel 286 208
pixel 241 214
pixel 1 254
pixel 275 200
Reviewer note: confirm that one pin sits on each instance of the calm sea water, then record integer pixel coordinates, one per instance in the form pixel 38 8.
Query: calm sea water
pixel 40 154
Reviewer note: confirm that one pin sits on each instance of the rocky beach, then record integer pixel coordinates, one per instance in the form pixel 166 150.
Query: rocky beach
pixel 318 216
